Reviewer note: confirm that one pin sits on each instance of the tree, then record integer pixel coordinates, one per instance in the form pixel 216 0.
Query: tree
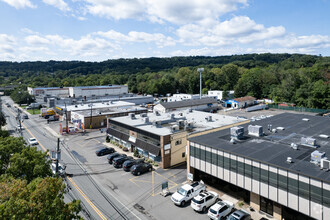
pixel 2 119
pixel 39 199
pixel 8 147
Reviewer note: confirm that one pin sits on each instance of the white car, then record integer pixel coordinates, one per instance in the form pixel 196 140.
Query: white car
pixel 19 127
pixel 33 141
pixel 220 209
pixel 204 200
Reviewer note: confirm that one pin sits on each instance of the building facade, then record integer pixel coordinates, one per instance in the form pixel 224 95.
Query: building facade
pixel 204 104
pixel 219 94
pixel 273 170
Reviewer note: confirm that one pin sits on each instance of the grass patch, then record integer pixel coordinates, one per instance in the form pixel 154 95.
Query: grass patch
pixel 36 111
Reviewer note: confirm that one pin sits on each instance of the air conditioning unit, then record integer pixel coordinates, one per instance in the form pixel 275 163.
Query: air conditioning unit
pixel 325 164
pixel 143 115
pixel 237 132
pixel 131 115
pixel 255 130
pixel 308 141
pixel 175 128
pixel 316 156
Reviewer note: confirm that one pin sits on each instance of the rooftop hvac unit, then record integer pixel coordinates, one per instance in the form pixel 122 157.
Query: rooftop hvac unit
pixel 237 132
pixel 308 141
pixel 210 117
pixel 316 156
pixel 255 130
pixel 180 123
pixel 325 164
pixel 143 115
pixel 131 115
pixel 172 116
pixel 289 160
pixel 157 113
pixel 175 128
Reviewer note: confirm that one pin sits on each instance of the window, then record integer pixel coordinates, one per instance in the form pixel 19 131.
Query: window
pixel 326 198
pixel 178 142
pixel 264 176
pixel 226 163
pixel 282 182
pixel 304 190
pixel 316 194
pixel 208 156
pixel 192 151
pixel 293 186
pixel 220 161
pixel 240 168
pixel 202 154
pixel 183 154
pixel 273 179
pixel 214 159
pixel 233 165
pixel 248 171
pixel 256 173
pixel 198 153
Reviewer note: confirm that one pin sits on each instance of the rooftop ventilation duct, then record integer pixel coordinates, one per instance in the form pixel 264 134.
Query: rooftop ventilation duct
pixel 180 123
pixel 172 116
pixel 255 130
pixel 146 120
pixel 294 146
pixel 308 141
pixel 305 119
pixel 157 113
pixel 143 115
pixel 316 156
pixel 131 115
pixel 289 160
pixel 237 132
pixel 175 128
pixel 325 164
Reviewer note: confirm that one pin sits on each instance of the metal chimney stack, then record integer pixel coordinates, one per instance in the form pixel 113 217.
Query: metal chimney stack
pixel 200 70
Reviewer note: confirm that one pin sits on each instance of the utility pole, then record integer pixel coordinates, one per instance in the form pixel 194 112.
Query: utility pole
pixel 58 153
pixel 19 121
pixel 200 70
pixel 66 119
pixel 90 126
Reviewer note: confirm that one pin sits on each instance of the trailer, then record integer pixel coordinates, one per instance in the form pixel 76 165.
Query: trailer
pixel 256 108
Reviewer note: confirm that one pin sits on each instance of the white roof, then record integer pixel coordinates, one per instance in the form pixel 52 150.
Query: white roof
pixel 86 106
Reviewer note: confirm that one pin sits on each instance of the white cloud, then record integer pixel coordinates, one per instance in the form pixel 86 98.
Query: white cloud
pixel 36 40
pixel 173 11
pixel 18 4
pixel 292 41
pixel 60 4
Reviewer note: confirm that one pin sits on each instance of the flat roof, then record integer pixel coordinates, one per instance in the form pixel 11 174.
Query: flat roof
pixel 109 111
pixel 86 106
pixel 96 87
pixel 187 103
pixel 274 148
pixel 196 118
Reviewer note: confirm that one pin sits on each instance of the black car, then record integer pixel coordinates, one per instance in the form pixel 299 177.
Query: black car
pixel 104 151
pixel 113 155
pixel 138 169
pixel 25 117
pixel 118 161
pixel 129 163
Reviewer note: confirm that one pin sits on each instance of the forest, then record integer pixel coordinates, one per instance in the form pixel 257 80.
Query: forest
pixel 292 78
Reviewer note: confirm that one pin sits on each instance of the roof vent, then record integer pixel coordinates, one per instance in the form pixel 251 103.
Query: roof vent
pixel 255 130
pixel 316 156
pixel 131 115
pixel 180 114
pixel 280 128
pixel 232 140
pixel 146 120
pixel 308 141
pixel 157 113
pixel 143 115
pixel 237 132
pixel 323 136
pixel 172 116
pixel 175 128
pixel 325 164
pixel 305 119
pixel 294 146
pixel 180 123
pixel 289 160
pixel 274 130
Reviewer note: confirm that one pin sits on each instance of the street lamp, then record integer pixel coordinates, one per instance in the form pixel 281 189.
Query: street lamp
pixel 200 70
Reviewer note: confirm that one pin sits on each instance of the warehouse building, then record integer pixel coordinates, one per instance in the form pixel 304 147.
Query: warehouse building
pixel 278 164
pixel 162 137
pixel 242 102
pixel 204 104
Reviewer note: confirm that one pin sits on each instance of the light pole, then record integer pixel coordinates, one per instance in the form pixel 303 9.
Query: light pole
pixel 200 70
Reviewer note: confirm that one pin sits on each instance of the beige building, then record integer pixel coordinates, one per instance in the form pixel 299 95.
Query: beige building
pixel 162 137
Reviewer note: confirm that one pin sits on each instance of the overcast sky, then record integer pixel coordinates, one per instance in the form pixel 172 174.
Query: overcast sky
pixel 97 30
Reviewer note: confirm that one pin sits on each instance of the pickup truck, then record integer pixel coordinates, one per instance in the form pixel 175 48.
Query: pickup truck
pixel 187 192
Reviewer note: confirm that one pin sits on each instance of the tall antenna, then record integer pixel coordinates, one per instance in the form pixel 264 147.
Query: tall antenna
pixel 200 70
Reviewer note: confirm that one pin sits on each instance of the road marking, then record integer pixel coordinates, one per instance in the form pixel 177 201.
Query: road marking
pixel 87 199
pixel 133 181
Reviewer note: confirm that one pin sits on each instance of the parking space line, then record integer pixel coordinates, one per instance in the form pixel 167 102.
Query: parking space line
pixel 133 181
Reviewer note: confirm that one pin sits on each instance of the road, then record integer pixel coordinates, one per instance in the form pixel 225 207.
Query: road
pixel 97 202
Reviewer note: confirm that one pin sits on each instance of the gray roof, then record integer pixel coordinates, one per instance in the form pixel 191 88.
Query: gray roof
pixel 274 148
pixel 187 103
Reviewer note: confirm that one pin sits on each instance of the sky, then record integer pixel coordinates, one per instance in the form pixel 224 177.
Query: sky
pixel 98 30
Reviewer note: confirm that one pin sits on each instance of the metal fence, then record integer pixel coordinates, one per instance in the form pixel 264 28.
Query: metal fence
pixel 299 109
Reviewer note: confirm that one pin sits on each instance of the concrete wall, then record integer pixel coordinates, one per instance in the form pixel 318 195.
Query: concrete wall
pixel 178 149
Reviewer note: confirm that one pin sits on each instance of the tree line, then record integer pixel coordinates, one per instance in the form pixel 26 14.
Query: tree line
pixel 293 78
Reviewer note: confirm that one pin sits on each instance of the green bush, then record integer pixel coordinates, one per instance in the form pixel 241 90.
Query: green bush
pixel 107 139
pixel 136 153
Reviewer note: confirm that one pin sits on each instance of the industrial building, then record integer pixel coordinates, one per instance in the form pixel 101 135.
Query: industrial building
pixel 220 95
pixel 242 102
pixel 162 137
pixel 97 118
pixel 204 104
pixel 81 91
pixel 278 164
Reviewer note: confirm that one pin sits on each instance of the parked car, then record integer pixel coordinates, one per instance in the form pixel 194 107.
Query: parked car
pixel 204 200
pixel 187 192
pixel 33 141
pixel 113 155
pixel 104 151
pixel 25 117
pixel 239 215
pixel 220 210
pixel 129 163
pixel 19 127
pixel 118 161
pixel 61 169
pixel 138 169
